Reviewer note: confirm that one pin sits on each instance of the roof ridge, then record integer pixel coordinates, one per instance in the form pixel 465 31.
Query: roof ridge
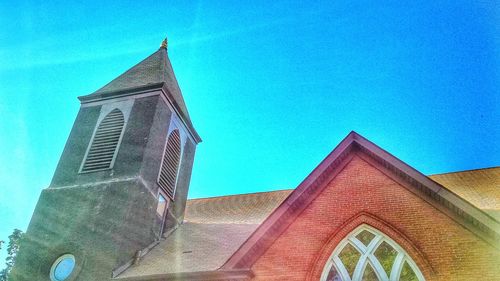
pixel 464 171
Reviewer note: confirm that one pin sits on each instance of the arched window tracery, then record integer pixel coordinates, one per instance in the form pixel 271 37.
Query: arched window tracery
pixel 368 255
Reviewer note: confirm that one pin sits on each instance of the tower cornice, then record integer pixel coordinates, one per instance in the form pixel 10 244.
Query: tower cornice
pixel 146 90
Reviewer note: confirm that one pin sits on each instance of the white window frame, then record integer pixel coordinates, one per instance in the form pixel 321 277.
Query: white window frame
pixel 56 263
pixel 367 256
pixel 164 215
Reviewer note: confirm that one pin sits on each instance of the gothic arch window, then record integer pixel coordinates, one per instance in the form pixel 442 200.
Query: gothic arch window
pixel 368 255
pixel 167 177
pixel 104 144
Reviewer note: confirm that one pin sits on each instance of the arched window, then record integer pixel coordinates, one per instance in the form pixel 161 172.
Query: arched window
pixel 103 148
pixel 170 164
pixel 369 255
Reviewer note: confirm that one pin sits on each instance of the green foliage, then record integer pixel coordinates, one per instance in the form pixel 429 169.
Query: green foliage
pixel 349 257
pixel 12 249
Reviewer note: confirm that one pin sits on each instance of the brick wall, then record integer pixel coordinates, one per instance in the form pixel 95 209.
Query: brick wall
pixel 362 194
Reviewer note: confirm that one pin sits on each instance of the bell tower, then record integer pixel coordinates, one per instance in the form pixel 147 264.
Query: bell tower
pixel 122 180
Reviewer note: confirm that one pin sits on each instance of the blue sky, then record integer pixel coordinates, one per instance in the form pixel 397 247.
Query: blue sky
pixel 271 86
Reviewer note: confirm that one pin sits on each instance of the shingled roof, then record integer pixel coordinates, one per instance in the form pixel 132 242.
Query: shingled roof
pixel 218 232
pixel 212 231
pixel 479 187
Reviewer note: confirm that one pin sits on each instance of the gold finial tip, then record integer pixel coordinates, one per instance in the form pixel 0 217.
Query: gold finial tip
pixel 164 43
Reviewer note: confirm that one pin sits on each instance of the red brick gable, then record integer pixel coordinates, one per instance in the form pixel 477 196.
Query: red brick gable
pixel 354 150
pixel 362 194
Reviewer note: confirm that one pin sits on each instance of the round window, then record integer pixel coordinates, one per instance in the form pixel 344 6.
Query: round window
pixel 62 268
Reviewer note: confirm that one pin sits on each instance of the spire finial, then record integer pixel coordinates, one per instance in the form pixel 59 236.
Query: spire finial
pixel 164 43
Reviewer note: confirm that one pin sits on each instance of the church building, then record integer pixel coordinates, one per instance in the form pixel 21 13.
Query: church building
pixel 117 207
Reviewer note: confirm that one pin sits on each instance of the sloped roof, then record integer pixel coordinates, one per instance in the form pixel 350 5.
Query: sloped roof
pixel 193 247
pixel 251 208
pixel 213 230
pixel 219 232
pixel 154 71
pixel 479 187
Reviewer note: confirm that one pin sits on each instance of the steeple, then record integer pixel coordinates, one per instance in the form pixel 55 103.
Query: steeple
pixel 154 71
pixel 122 180
pixel 164 43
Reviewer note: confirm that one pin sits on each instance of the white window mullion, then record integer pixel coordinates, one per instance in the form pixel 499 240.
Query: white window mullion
pixel 325 273
pixel 360 268
pixel 378 268
pixel 397 266
pixel 341 269
pixel 374 244
pixel 414 267
pixel 358 245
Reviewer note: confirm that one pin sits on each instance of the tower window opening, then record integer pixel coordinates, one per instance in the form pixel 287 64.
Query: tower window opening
pixel 103 148
pixel 62 268
pixel 161 212
pixel 167 178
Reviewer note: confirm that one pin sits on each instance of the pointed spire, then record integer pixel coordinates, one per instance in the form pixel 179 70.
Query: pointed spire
pixel 164 44
pixel 153 71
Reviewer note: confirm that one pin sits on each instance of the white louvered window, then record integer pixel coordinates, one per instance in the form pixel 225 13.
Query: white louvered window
pixel 170 164
pixel 103 148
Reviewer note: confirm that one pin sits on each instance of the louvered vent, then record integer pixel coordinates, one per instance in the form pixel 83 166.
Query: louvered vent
pixel 170 164
pixel 103 149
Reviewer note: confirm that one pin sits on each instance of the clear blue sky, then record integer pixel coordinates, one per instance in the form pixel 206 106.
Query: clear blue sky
pixel 271 86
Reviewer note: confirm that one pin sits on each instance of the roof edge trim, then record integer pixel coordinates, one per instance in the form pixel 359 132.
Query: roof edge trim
pixel 119 93
pixel 140 90
pixel 239 274
pixel 439 190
